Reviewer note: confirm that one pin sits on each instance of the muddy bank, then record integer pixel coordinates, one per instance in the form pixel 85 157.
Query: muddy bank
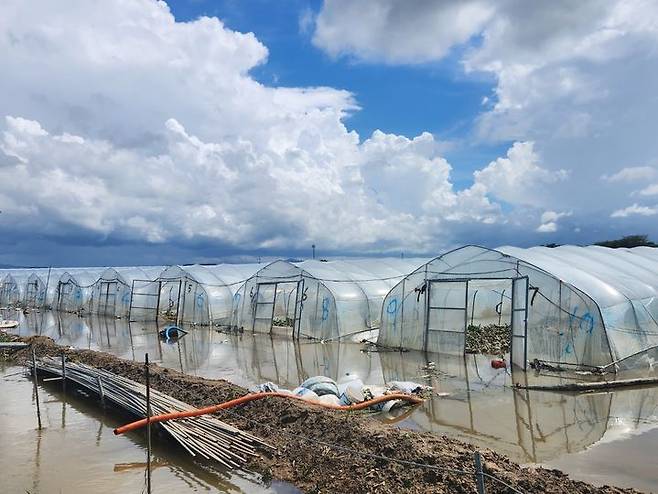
pixel 298 431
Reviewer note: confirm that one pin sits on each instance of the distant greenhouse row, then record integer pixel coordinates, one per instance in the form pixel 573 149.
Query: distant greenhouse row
pixel 576 306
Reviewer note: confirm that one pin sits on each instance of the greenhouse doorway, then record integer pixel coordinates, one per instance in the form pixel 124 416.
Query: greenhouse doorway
pixel 171 300
pixel 32 294
pixel 483 314
pixel 277 307
pixel 64 294
pixel 107 298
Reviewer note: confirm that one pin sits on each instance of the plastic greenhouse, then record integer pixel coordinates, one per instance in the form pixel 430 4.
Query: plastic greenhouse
pixel 196 294
pixel 580 306
pixel 35 290
pixel 13 287
pixel 75 288
pixel 110 295
pixel 317 299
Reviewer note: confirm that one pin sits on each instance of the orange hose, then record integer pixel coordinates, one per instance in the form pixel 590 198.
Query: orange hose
pixel 257 396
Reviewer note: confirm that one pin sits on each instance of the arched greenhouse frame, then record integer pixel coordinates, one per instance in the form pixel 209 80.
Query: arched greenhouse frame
pixel 586 307
pixel 319 299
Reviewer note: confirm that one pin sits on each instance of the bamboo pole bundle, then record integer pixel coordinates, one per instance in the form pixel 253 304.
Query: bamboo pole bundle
pixel 204 436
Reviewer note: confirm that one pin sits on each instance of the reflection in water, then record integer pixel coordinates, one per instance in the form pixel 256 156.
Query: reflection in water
pixel 95 460
pixel 481 405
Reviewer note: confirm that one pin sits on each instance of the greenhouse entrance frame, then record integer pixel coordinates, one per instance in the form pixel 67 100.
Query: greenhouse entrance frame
pixel 446 318
pixel 31 293
pixel 107 298
pixel 177 315
pixel 264 310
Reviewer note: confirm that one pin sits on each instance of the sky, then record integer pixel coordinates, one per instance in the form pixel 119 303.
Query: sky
pixel 144 132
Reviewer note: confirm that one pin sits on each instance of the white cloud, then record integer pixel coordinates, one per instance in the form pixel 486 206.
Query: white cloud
pixel 631 174
pixel 549 221
pixel 549 227
pixel 518 178
pixel 576 78
pixel 348 196
pixel 119 122
pixel 650 190
pixel 634 209
pixel 397 32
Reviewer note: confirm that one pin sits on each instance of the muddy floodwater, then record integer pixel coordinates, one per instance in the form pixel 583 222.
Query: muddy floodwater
pixel 602 438
pixel 77 452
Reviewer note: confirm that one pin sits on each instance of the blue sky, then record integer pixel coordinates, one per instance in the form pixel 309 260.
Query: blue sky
pixel 166 133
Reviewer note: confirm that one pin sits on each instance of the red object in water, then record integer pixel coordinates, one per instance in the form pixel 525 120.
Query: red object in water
pixel 498 364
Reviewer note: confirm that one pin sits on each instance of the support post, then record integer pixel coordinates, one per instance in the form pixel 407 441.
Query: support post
pixel 101 390
pixel 36 387
pixel 63 373
pixel 148 424
pixel 479 477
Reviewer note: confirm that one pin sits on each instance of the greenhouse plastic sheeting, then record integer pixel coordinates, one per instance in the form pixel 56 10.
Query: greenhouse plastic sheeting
pixel 587 306
pixel 623 282
pixel 13 286
pixel 75 288
pixel 111 293
pixel 318 299
pixel 198 294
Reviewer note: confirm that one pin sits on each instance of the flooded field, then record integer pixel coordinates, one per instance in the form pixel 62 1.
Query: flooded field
pixel 76 451
pixel 605 437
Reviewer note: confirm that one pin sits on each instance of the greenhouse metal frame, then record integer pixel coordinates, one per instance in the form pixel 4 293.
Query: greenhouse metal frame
pixel 75 289
pixel 195 294
pixel 325 300
pixel 576 306
pixel 112 292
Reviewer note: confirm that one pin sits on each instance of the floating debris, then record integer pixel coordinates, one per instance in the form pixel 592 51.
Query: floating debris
pixel 172 333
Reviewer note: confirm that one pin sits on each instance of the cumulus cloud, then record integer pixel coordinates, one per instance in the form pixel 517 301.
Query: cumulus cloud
pixel 390 190
pixel 397 32
pixel 576 78
pixel 650 190
pixel 518 178
pixel 549 221
pixel 152 130
pixel 120 124
pixel 631 174
pixel 635 210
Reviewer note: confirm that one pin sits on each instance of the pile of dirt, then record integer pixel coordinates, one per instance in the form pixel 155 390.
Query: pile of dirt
pixel 6 353
pixel 491 339
pixel 326 451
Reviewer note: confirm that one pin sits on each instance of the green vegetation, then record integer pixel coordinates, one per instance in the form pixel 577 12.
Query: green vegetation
pixel 489 340
pixel 628 241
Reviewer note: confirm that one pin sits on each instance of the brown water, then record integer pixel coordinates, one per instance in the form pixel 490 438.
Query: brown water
pixel 76 451
pixel 599 437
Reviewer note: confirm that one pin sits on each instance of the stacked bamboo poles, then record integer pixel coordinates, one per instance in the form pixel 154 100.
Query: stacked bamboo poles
pixel 204 436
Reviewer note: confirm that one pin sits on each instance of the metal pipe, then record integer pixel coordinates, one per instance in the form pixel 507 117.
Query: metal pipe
pixel 148 423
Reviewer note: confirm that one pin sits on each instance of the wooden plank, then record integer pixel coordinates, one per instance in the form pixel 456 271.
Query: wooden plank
pixel 596 385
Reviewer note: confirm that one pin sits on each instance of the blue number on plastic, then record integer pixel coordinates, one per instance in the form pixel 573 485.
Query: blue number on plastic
pixel 199 300
pixel 587 317
pixel 325 309
pixel 392 306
